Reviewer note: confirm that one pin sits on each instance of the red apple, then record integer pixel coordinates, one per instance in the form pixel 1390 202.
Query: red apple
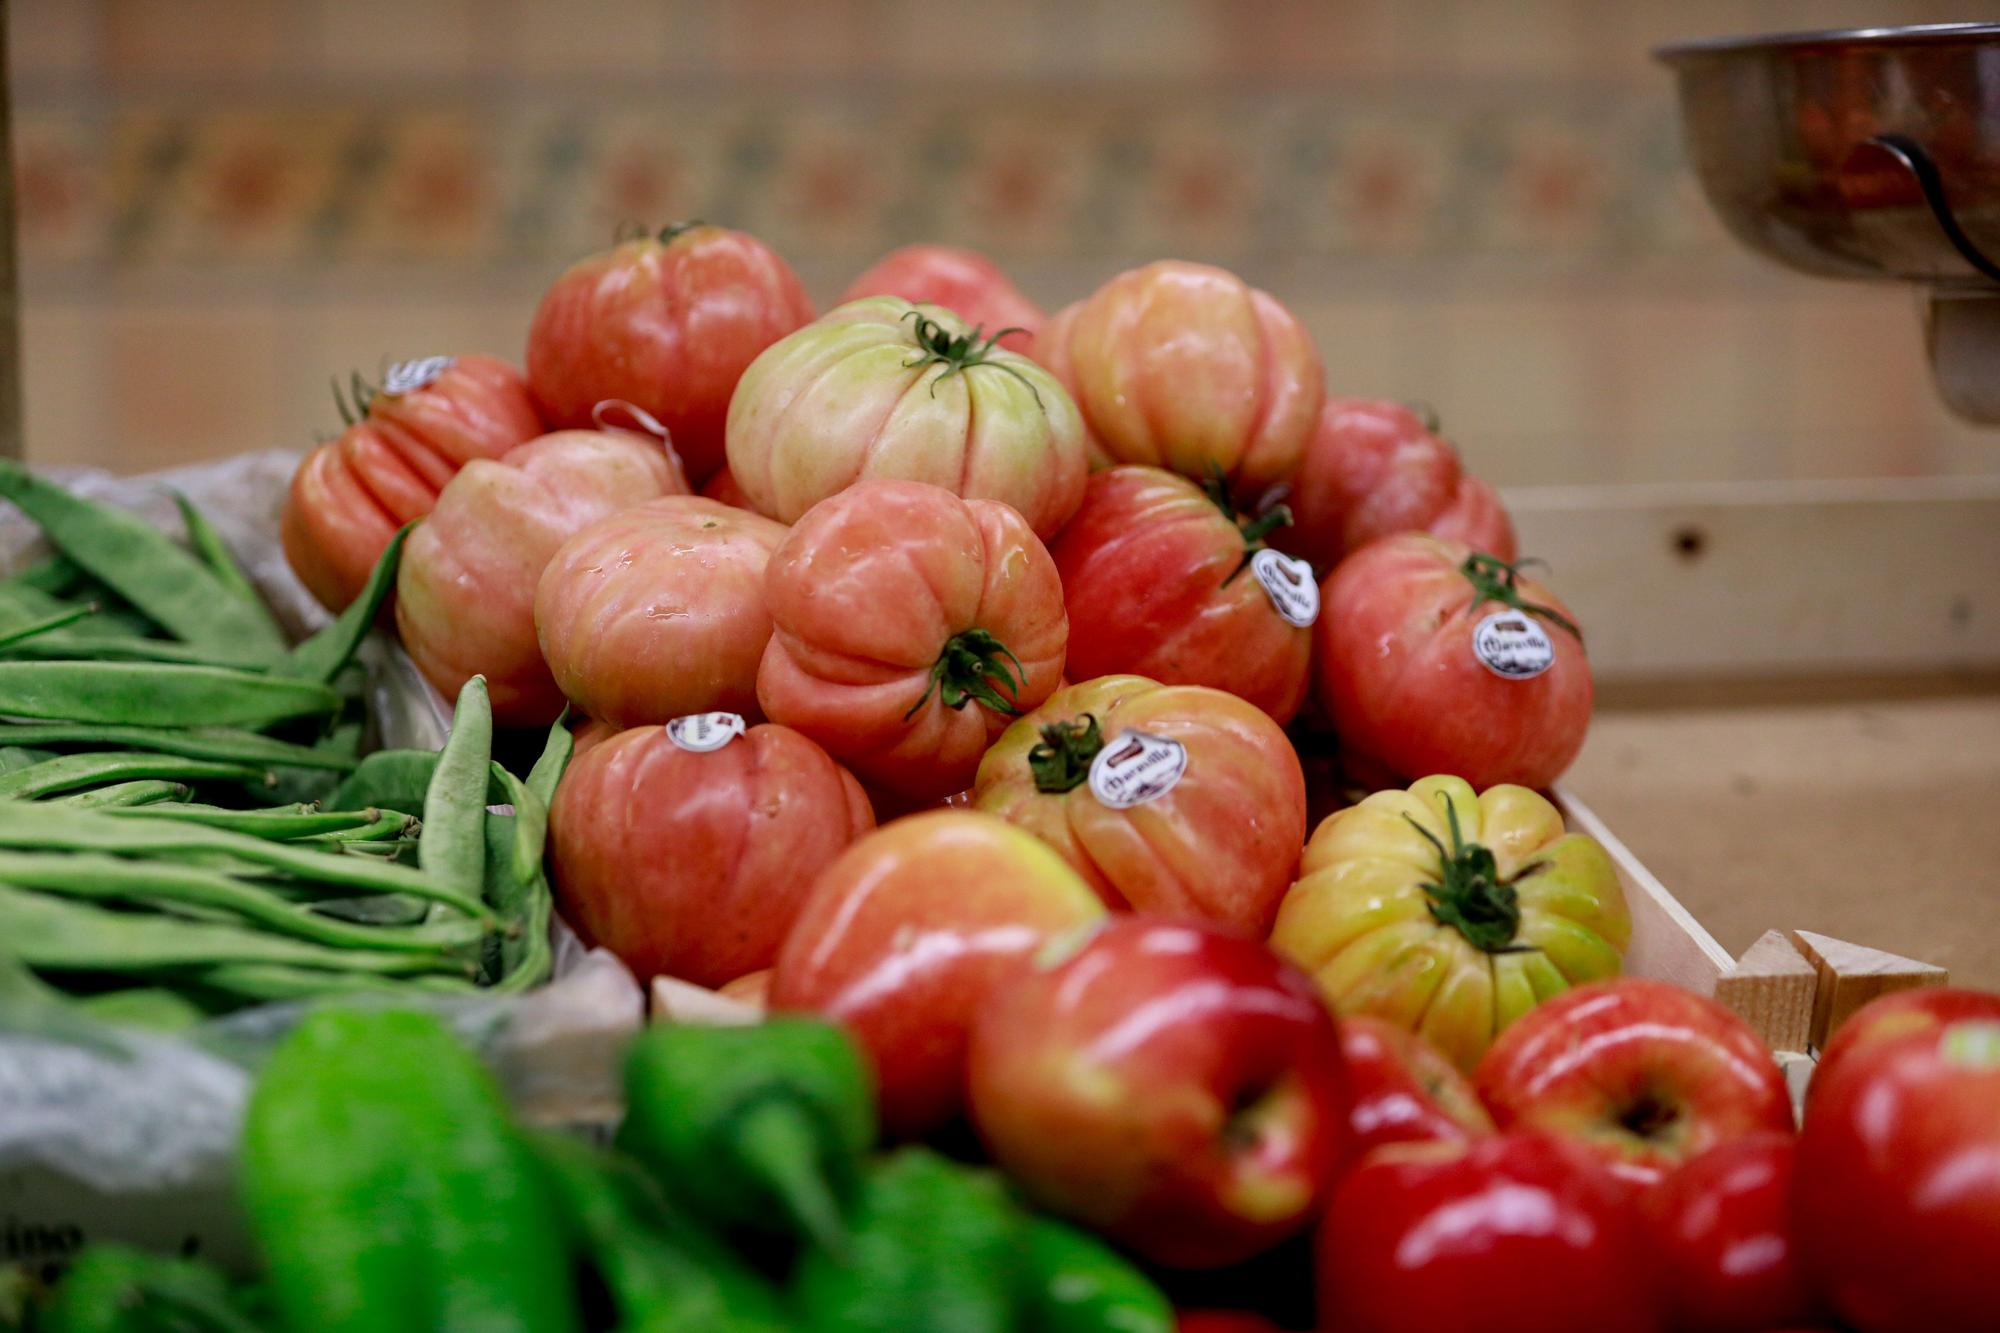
pixel 1646 1074
pixel 1896 1198
pixel 1401 1089
pixel 1514 1233
pixel 1722 1224
pixel 902 938
pixel 1173 1085
pixel 1925 1009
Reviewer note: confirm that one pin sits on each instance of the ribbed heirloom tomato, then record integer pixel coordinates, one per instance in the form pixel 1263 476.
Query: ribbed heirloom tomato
pixel 1219 841
pixel 1188 367
pixel 1375 468
pixel 429 418
pixel 1450 913
pixel 691 858
pixel 883 388
pixel 465 588
pixel 658 611
pixel 1163 581
pixel 667 322
pixel 910 627
pixel 964 282
pixel 1434 658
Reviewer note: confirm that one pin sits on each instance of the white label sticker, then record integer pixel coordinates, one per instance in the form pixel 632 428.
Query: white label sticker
pixel 1513 644
pixel 1290 585
pixel 1135 768
pixel 409 376
pixel 702 732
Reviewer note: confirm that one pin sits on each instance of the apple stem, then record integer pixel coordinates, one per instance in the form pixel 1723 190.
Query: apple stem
pixel 780 1149
pixel 1062 761
pixel 972 667
pixel 1494 580
pixel 1469 895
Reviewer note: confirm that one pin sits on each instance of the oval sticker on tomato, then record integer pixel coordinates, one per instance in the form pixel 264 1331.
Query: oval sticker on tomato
pixel 1135 768
pixel 701 732
pixel 409 376
pixel 1290 585
pixel 1513 644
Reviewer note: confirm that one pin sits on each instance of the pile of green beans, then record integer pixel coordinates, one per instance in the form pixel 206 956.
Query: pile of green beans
pixel 187 824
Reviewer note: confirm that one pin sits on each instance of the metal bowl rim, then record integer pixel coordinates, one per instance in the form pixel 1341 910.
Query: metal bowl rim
pixel 1919 34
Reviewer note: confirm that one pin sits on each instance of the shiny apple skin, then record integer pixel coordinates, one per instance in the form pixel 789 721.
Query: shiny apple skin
pixel 1925 1009
pixel 694 865
pixel 1401 1089
pixel 1644 1073
pixel 963 281
pixel 903 939
pixel 658 611
pixel 1173 1085
pixel 1723 1226
pixel 1896 1201
pixel 1515 1233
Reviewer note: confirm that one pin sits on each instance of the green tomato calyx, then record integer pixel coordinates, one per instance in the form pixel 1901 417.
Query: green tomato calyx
pixel 974 665
pixel 1062 761
pixel 1494 580
pixel 937 345
pixel 1469 895
pixel 1254 528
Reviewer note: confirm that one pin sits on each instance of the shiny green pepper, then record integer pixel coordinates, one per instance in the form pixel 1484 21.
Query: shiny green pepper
pixel 1078 1284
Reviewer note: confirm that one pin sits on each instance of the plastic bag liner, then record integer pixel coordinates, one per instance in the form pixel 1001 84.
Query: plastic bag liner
pixel 117 1134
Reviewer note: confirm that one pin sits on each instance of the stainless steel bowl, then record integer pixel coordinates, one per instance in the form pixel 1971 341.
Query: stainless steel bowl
pixel 1814 147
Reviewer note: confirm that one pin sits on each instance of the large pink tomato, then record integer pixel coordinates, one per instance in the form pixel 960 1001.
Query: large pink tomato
pixel 1174 800
pixel 1159 582
pixel 667 323
pixel 465 589
pixel 1375 468
pixel 658 611
pixel 1188 367
pixel 429 418
pixel 964 282
pixel 910 627
pixel 688 849
pixel 1434 658
pixel 883 388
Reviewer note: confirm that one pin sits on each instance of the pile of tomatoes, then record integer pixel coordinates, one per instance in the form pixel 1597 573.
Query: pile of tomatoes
pixel 970 677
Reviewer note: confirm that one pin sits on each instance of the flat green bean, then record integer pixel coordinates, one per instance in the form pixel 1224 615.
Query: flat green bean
pixel 243 747
pixel 137 795
pixel 132 693
pixel 387 780
pixel 40 827
pixel 145 567
pixel 56 575
pixel 143 1006
pixel 280 981
pixel 390 826
pixel 70 645
pixel 164 885
pixel 453 851
pixel 322 656
pixel 36 628
pixel 49 933
pixel 283 824
pixel 14 758
pixel 206 542
pixel 548 769
pixel 71 771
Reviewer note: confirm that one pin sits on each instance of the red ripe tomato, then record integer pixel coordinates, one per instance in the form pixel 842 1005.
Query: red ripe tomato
pixel 1373 469
pixel 906 935
pixel 694 862
pixel 1723 1229
pixel 722 486
pixel 1515 1233
pixel 911 626
pixel 1188 367
pixel 964 282
pixel 882 388
pixel 1219 842
pixel 1402 1089
pixel 667 323
pixel 1434 659
pixel 1896 1197
pixel 465 588
pixel 429 419
pixel 1158 580
pixel 658 611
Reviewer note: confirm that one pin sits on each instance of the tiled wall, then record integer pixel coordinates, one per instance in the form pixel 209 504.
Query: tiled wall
pixel 1478 203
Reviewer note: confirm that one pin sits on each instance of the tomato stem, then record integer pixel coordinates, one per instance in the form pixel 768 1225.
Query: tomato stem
pixel 673 229
pixel 1469 895
pixel 936 345
pixel 353 404
pixel 1494 580
pixel 1062 761
pixel 1254 529
pixel 974 665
